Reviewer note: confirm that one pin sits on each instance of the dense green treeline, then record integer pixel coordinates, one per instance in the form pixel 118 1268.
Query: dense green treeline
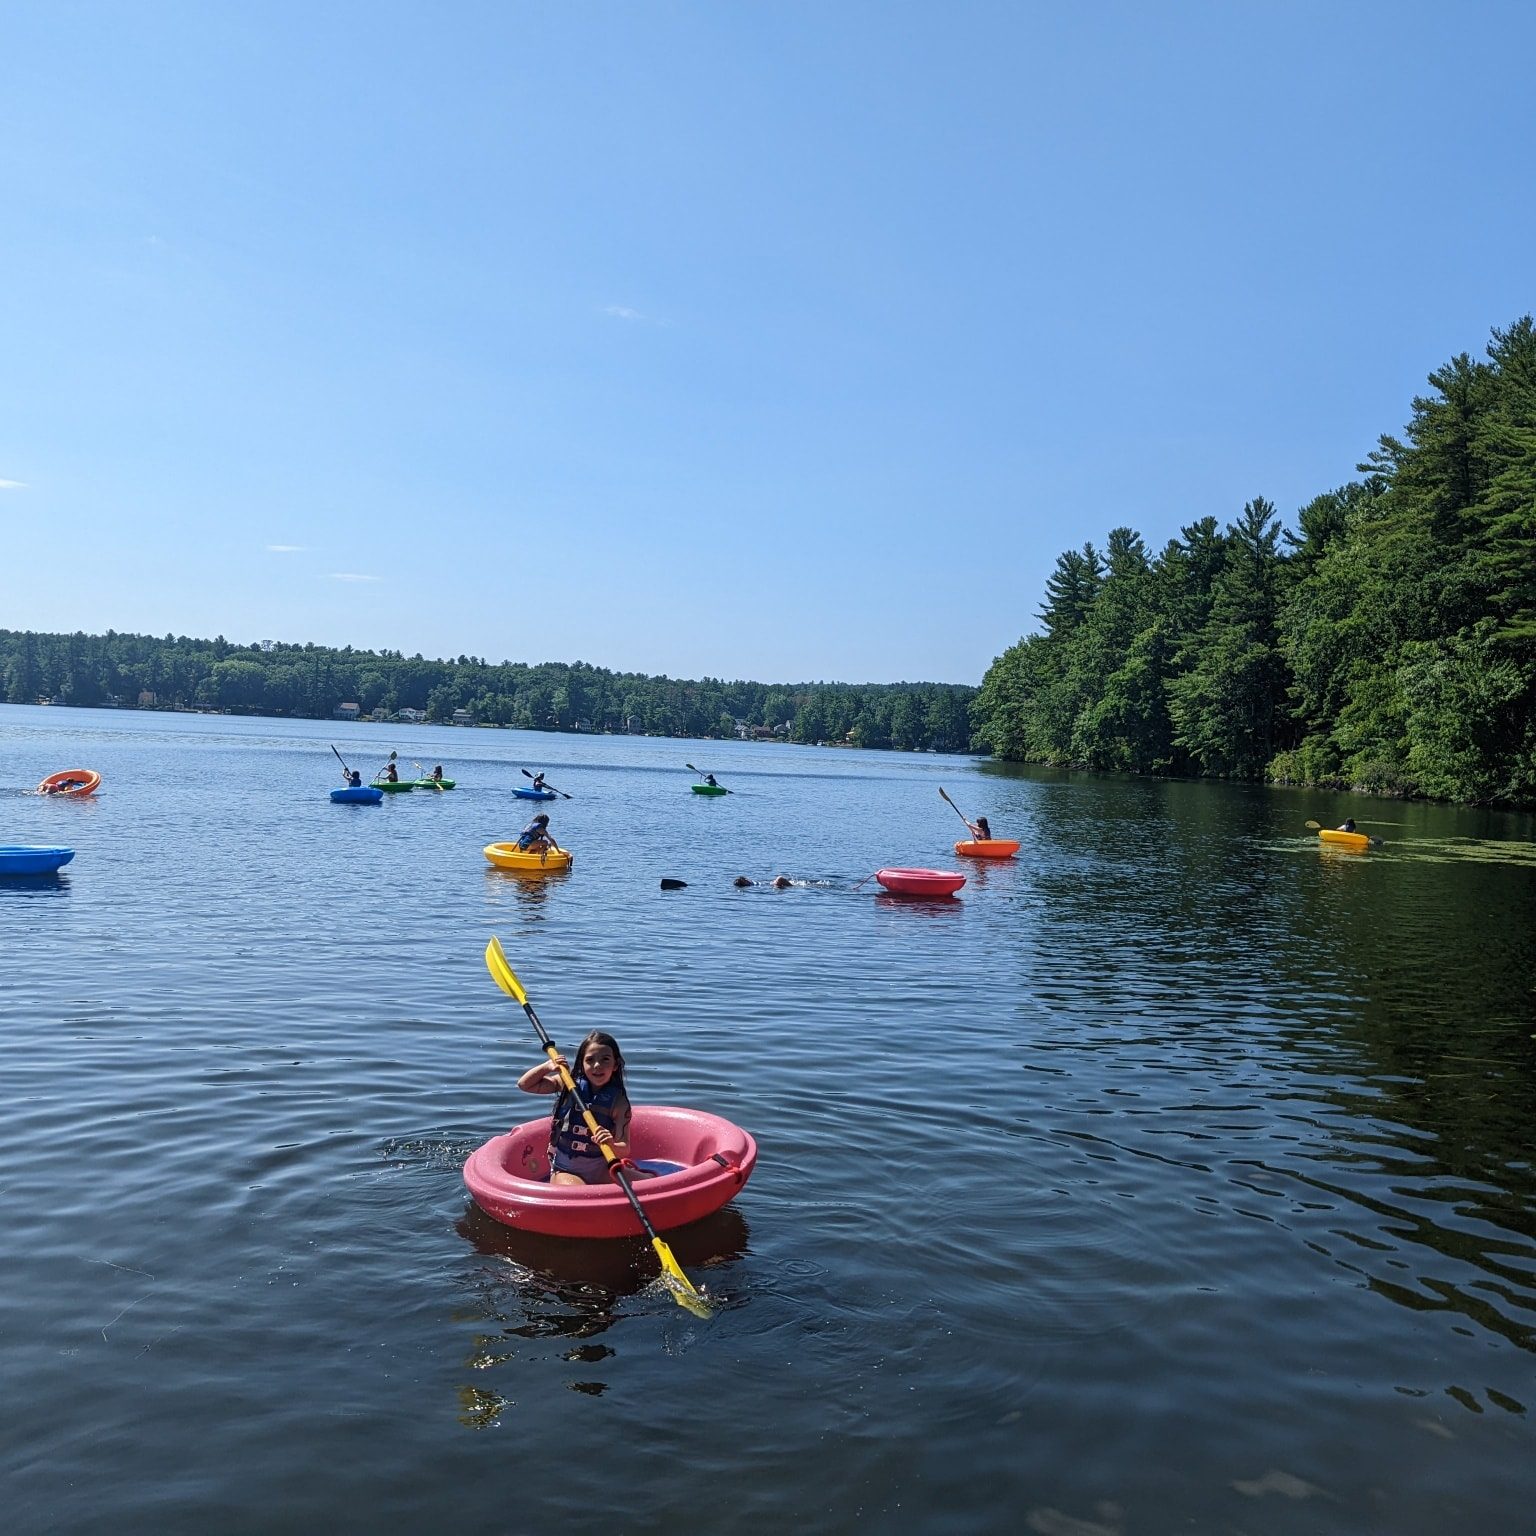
pixel 315 681
pixel 1389 643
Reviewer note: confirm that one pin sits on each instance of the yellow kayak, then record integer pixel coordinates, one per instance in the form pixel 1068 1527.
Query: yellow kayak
pixel 1358 841
pixel 510 856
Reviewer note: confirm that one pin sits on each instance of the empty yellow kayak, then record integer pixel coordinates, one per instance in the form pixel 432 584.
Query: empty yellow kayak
pixel 510 856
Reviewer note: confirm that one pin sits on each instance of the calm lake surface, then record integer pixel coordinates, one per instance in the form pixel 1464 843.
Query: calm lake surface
pixel 1176 1176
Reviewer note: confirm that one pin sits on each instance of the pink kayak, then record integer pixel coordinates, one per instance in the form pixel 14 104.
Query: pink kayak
pixel 700 1161
pixel 920 882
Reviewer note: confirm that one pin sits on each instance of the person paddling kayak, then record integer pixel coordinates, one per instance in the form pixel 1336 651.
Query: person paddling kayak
pixel 575 1151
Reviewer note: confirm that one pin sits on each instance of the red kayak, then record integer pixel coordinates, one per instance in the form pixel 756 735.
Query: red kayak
pixel 699 1162
pixel 920 882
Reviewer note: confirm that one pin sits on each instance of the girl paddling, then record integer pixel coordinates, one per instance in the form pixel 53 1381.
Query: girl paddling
pixel 575 1155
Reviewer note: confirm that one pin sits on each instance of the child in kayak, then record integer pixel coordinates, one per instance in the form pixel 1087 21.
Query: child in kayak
pixel 391 776
pixel 538 781
pixel 536 837
pixel 354 779
pixel 1349 824
pixel 574 1152
pixel 981 829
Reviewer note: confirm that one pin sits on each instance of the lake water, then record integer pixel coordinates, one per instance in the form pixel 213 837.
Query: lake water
pixel 1176 1176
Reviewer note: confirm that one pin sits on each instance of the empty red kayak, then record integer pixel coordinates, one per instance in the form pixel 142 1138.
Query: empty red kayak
pixel 920 882
pixel 699 1160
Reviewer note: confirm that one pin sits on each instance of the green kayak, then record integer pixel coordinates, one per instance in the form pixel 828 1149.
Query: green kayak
pixel 428 783
pixel 710 789
pixel 391 787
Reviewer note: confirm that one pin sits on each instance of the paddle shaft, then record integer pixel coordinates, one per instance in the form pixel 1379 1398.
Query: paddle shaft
pixel 958 812
pixel 340 759
pixel 615 1167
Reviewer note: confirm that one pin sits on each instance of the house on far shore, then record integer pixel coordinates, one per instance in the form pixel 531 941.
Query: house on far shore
pixel 147 699
pixel 347 712
pixel 460 717
pixel 413 716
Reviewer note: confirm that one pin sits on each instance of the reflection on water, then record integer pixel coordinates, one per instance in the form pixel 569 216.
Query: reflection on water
pixel 564 1288
pixel 530 888
pixel 54 883
pixel 929 906
pixel 612 1267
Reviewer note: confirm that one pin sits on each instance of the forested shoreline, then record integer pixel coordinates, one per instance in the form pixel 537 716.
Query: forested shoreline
pixel 1387 644
pixel 314 682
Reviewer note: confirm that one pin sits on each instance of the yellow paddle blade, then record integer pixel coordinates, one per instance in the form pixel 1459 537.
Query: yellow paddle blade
pixel 502 973
pixel 679 1284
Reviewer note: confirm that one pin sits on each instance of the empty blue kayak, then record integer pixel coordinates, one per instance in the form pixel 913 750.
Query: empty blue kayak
pixel 534 794
pixel 33 859
pixel 362 795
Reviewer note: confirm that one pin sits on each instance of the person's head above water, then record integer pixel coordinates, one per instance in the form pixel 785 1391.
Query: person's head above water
pixel 780 882
pixel 741 880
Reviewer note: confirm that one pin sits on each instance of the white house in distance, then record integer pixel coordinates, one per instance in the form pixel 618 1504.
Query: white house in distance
pixel 413 716
pixel 348 712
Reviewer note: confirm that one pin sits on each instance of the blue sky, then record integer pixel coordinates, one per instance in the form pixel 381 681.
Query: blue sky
pixel 785 341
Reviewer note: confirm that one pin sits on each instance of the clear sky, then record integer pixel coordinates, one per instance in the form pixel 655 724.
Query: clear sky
pixel 785 340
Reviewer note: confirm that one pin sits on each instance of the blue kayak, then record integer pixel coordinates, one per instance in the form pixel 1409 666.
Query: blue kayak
pixel 534 794
pixel 362 795
pixel 31 859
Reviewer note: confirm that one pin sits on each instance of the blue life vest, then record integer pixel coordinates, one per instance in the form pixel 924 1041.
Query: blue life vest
pixel 568 1134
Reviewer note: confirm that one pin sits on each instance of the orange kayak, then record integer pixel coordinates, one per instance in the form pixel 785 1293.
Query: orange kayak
pixel 988 848
pixel 72 781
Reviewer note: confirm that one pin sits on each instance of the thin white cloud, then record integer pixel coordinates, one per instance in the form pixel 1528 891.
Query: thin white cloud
pixel 623 312
pixel 287 549
pixel 13 485
pixel 353 576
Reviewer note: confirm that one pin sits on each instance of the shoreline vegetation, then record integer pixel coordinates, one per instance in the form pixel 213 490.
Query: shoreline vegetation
pixel 314 682
pixel 1388 645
